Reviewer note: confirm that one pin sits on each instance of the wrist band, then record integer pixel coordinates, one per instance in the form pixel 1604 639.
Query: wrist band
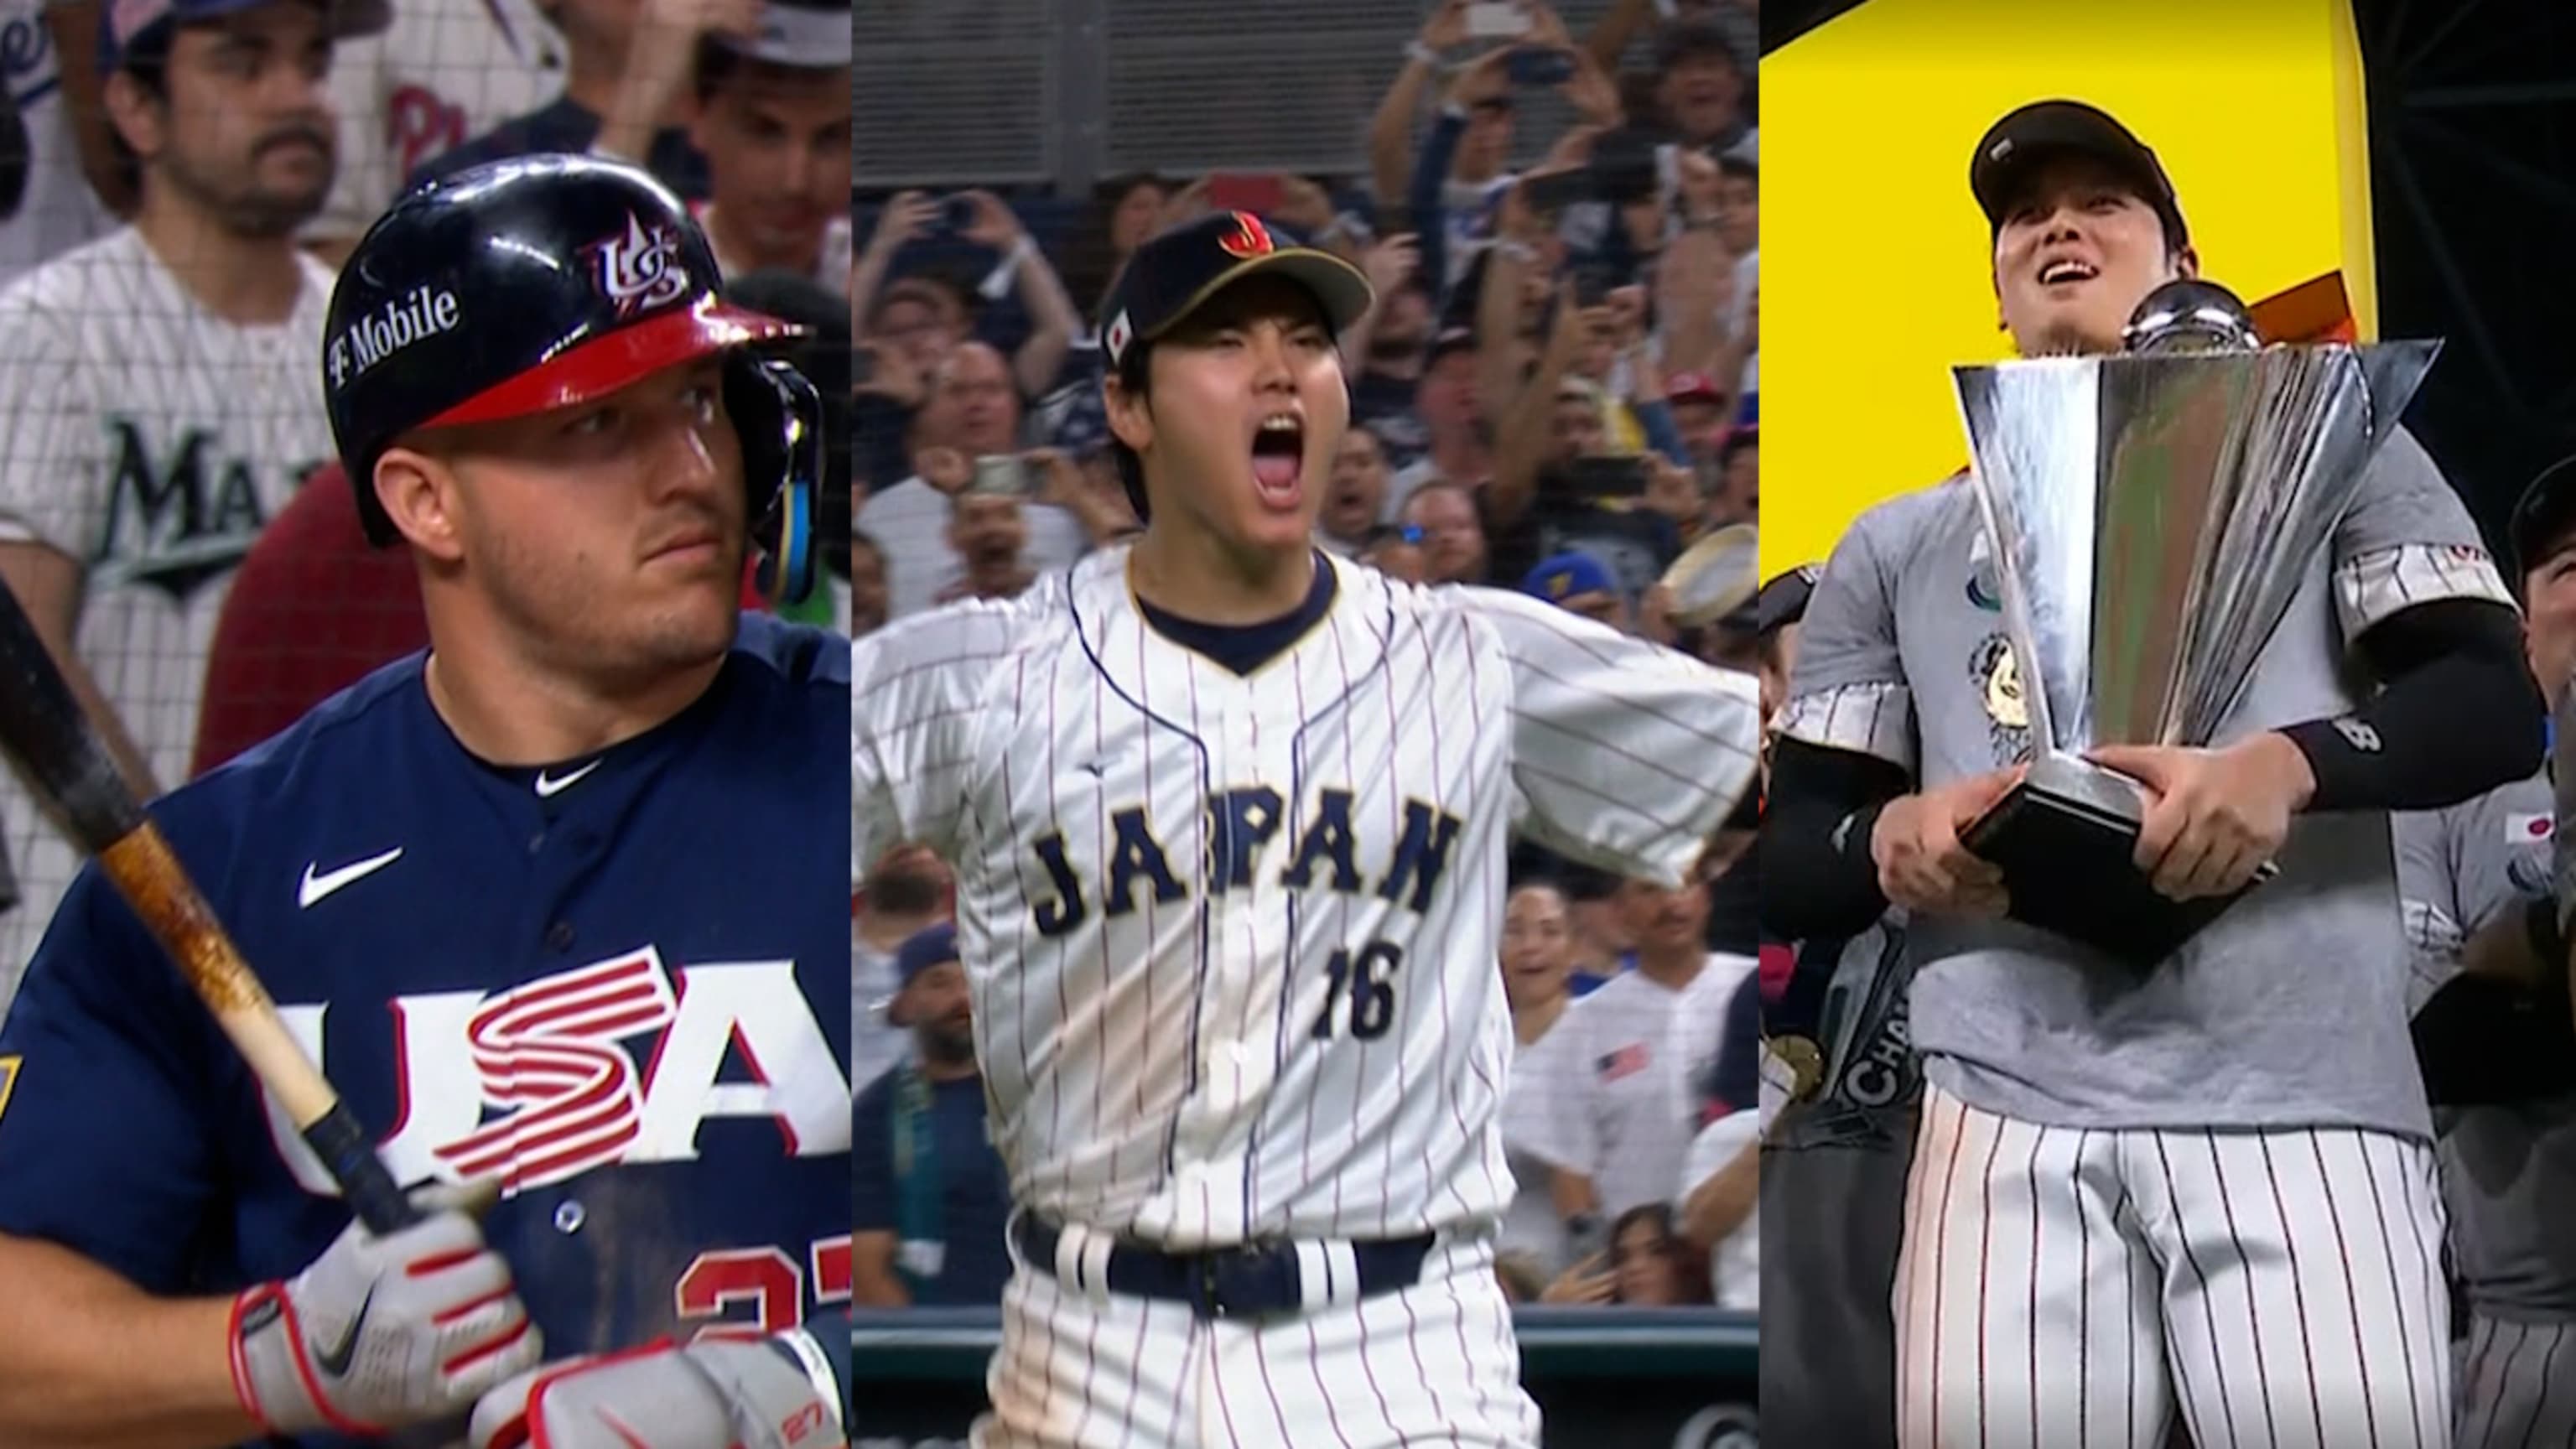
pixel 1415 50
pixel 1518 251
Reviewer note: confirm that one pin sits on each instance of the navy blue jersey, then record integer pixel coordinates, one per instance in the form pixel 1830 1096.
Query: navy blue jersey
pixel 615 983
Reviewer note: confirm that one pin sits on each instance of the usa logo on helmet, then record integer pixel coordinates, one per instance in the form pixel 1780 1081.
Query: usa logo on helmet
pixel 641 268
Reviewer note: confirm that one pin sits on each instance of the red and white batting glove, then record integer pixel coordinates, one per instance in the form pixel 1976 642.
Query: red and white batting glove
pixel 381 1333
pixel 733 1393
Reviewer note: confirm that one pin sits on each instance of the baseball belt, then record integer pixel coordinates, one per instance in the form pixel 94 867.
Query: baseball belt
pixel 1253 1281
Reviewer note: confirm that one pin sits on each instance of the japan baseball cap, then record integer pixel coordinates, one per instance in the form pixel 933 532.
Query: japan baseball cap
pixel 1177 272
pixel 2014 147
pixel 124 22
pixel 2544 516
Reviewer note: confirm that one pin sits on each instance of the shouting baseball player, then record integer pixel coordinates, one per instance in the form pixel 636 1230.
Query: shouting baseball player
pixel 2211 1186
pixel 1228 818
pixel 2495 1039
pixel 544 903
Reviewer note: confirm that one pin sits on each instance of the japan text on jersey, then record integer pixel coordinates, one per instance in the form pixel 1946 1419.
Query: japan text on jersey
pixel 614 985
pixel 1232 937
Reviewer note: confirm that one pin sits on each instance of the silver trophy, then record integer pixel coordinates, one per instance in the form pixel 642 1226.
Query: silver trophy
pixel 2151 517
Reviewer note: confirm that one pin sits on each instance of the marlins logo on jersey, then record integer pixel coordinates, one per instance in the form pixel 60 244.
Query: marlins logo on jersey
pixel 149 442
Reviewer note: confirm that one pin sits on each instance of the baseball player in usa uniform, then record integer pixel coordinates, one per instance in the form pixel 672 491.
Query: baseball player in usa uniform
pixel 544 902
pixel 1228 818
pixel 2208 1188
pixel 2499 1051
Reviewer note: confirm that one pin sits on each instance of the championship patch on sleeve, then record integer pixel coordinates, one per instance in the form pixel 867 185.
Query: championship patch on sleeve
pixel 8 1080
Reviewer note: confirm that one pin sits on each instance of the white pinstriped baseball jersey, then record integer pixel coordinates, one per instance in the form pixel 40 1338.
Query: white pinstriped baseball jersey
pixel 1232 938
pixel 445 72
pixel 148 440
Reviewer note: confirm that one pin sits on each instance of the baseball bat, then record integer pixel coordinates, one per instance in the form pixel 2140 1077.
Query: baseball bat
pixel 63 758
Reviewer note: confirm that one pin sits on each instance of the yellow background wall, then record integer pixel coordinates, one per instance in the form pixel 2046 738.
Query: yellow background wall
pixel 1876 263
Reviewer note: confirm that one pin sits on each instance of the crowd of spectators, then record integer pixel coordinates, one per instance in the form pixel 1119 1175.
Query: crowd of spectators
pixel 1557 392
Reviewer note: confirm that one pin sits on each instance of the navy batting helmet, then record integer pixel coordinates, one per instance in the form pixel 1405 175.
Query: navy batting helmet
pixel 547 281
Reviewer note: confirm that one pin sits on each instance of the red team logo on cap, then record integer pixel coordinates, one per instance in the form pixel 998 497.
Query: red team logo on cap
pixel 1249 238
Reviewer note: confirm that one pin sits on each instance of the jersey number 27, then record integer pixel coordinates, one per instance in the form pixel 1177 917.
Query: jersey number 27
pixel 765 1280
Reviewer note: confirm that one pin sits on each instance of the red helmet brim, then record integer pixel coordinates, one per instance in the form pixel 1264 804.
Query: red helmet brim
pixel 604 364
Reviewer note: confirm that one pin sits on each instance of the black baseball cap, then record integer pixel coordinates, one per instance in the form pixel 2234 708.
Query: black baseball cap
pixel 2544 515
pixel 1178 271
pixel 2024 139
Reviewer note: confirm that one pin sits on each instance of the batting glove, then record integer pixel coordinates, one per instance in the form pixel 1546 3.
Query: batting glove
pixel 382 1333
pixel 734 1393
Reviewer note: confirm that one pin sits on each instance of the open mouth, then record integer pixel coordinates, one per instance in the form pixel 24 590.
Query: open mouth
pixel 1279 458
pixel 2066 271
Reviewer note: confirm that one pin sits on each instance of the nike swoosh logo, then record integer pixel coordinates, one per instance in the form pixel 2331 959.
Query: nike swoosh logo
pixel 316 886
pixel 549 787
pixel 334 1360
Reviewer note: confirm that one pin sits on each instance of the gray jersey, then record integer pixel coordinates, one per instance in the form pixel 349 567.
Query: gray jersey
pixel 2508 1172
pixel 2287 1011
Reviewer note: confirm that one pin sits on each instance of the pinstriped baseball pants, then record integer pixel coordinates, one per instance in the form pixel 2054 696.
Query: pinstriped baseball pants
pixel 1434 1366
pixel 2517 1385
pixel 2066 1288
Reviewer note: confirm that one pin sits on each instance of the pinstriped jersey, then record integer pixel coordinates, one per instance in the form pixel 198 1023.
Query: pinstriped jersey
pixel 2287 1011
pixel 147 440
pixel 1232 938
